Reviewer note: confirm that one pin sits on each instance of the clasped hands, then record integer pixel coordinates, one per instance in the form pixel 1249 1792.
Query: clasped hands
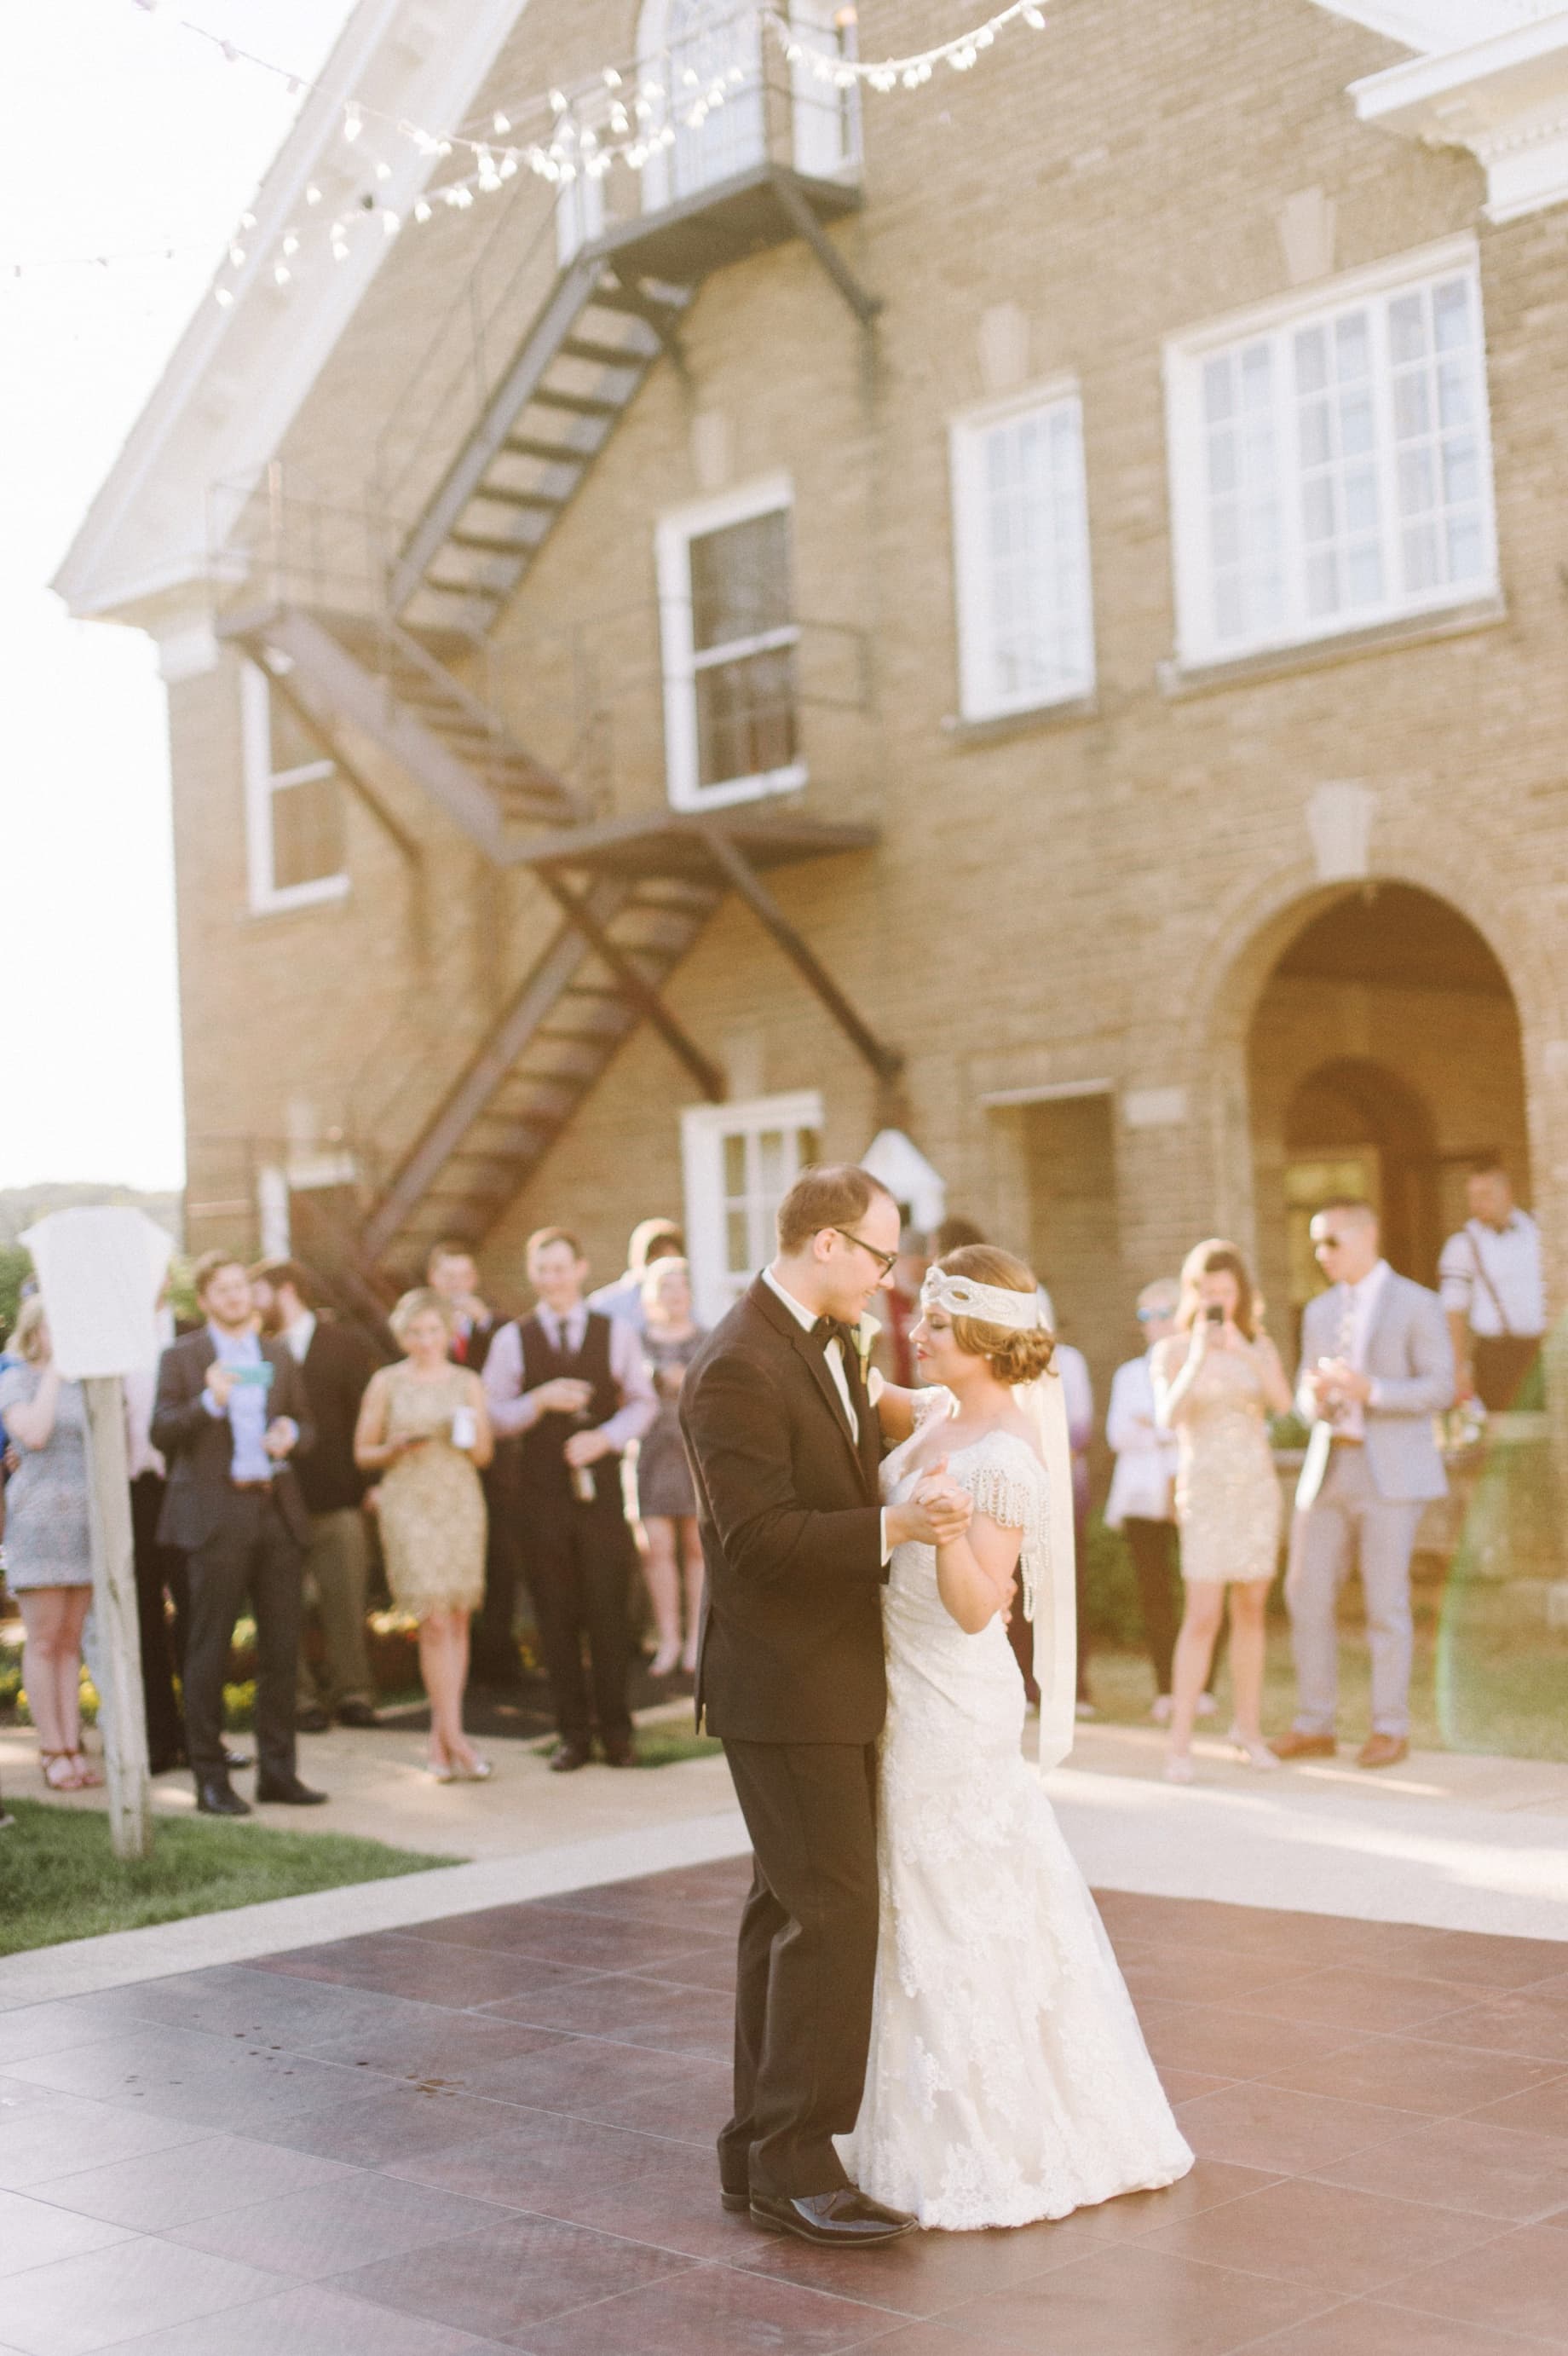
pixel 1334 1381
pixel 938 1512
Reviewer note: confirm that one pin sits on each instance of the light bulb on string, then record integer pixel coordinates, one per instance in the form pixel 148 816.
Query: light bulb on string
pixel 313 195
pixel 500 124
pixel 353 121
pixel 421 210
pixel 391 223
pixel 282 273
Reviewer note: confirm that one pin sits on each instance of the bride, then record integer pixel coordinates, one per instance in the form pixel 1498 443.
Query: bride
pixel 1008 2078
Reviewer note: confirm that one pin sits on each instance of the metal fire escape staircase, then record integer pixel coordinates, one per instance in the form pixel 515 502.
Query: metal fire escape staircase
pixel 634 893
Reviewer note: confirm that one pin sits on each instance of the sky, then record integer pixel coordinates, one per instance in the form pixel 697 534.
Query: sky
pixel 115 138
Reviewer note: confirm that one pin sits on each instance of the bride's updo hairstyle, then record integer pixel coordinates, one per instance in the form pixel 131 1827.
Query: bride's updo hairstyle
pixel 1013 1357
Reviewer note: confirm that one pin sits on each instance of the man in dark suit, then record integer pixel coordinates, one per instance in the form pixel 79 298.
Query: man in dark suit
pixel 231 1411
pixel 336 1365
pixel 451 1271
pixel 784 1448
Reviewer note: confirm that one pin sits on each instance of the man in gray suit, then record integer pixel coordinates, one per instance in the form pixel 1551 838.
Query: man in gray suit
pixel 1376 1366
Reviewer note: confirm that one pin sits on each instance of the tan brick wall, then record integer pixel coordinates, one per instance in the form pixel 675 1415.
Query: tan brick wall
pixel 1096 896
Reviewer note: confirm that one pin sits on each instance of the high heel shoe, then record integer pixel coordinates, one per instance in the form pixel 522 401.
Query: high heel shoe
pixel 667 1660
pixel 479 1773
pixel 1251 1753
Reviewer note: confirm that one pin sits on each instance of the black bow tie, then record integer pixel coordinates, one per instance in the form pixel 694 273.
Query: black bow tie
pixel 831 1328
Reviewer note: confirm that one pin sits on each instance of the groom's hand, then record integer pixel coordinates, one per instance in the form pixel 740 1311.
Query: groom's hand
pixel 938 1513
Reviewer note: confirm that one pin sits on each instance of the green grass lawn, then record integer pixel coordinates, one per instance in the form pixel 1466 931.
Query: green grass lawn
pixel 58 1878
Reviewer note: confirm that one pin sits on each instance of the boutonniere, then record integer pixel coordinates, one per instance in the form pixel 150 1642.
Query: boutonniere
pixel 864 1338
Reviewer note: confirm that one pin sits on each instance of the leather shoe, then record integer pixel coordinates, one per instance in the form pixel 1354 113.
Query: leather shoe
pixel 357 1713
pixel 735 2204
pixel 217 1798
pixel 846 2220
pixel 235 1760
pixel 620 1754
pixel 1382 1750
pixel 568 1757
pixel 313 1720
pixel 288 1793
pixel 1304 1745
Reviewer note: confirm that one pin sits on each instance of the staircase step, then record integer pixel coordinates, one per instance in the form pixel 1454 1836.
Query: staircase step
pixel 490 545
pixel 618 355
pixel 576 404
pixel 503 496
pixel 552 454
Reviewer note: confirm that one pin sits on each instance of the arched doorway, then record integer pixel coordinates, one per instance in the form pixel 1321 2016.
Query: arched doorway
pixel 1383 1056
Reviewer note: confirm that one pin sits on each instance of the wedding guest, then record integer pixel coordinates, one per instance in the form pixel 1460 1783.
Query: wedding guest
pixel 230 1412
pixel 900 1313
pixel 1376 1366
pixel 651 1240
pixel 1489 1280
pixel 425 1429
pixel 49 1556
pixel 666 1500
pixel 451 1271
pixel 572 1382
pixel 1217 1378
pixel 336 1365
pixel 1142 1503
pixel 1078 1394
pixel 160 1571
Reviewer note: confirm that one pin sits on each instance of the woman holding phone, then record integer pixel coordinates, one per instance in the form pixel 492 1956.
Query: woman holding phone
pixel 1217 1379
pixel 423 1426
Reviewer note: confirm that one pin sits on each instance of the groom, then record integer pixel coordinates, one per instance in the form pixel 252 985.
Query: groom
pixel 785 1447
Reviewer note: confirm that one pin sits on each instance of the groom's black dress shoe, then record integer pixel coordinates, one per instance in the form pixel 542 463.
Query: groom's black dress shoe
pixel 737 2203
pixel 288 1791
pixel 215 1798
pixel 846 2220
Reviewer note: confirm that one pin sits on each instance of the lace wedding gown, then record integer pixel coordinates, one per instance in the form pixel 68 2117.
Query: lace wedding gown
pixel 1007 2078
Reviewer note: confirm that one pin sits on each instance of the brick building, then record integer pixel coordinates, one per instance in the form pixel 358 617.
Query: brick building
pixel 1027 611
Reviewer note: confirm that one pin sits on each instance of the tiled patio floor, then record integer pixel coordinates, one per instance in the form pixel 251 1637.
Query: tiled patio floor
pixel 495 2133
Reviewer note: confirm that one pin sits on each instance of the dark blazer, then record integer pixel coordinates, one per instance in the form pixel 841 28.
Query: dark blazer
pixel 478 1343
pixel 791 1647
pixel 338 1368
pixel 199 1447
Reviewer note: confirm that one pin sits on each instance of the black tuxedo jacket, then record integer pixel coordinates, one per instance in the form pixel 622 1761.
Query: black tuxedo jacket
pixel 338 1368
pixel 791 1622
pixel 198 1448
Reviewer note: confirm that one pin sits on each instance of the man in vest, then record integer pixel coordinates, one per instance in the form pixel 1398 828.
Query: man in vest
pixel 573 1383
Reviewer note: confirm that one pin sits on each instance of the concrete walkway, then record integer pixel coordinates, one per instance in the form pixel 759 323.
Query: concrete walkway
pixel 1450 1842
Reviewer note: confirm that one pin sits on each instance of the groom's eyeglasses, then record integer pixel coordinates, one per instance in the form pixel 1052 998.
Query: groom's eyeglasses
pixel 886 1261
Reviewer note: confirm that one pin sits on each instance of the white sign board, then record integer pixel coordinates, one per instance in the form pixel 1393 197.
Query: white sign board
pixel 101 1272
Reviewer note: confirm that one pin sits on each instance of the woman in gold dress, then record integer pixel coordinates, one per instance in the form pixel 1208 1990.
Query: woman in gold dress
pixel 424 1428
pixel 1217 1379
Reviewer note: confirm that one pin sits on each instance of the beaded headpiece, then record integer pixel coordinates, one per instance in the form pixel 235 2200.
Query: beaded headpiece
pixel 989 1304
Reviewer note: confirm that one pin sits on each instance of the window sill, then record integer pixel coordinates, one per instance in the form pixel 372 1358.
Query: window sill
pixel 1178 680
pixel 694 798
pixel 330 892
pixel 966 734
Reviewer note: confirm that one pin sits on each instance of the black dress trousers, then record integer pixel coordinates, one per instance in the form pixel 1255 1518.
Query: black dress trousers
pixel 806 1963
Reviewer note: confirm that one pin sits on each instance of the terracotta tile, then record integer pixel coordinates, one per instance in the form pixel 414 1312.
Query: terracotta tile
pixel 242 2000
pixel 1479 1958
pixel 35 2232
pixel 393 2123
pixel 578 2074
pixel 691 2108
pixel 537 2155
pixel 44 2134
pixel 515 2274
pixel 78 2304
pixel 1132 2301
pixel 1439 2079
pixel 395 1965
pixel 1500 2172
pixel 931 2340
pixel 1516 2283
pixel 312 2319
pixel 1229 2044
pixel 711 2311
pixel 1371 2328
pixel 1321 2234
pixel 235 2083
pixel 1256 2126
pixel 1357 1997
pixel 927 2273
pixel 1526 2024
pixel 1201 1975
pixel 30 2030
pixel 591 1942
pixel 608 2005
pixel 1186 2085
pixel 1542 2110
pixel 425 2044
pixel 1311 1939
pixel 715 1971
pixel 331 2227
pixel 669 2203
pixel 174 2187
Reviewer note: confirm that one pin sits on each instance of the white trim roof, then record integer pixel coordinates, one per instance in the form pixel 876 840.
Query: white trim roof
pixel 238 376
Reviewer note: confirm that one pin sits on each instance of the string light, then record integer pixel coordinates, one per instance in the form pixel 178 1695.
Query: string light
pixel 637 118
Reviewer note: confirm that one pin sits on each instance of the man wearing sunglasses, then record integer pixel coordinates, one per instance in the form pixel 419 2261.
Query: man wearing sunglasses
pixel 1376 1366
pixel 785 1447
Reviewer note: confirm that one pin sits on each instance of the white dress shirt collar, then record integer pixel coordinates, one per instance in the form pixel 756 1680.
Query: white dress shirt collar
pixel 300 1335
pixel 804 1317
pixel 564 1333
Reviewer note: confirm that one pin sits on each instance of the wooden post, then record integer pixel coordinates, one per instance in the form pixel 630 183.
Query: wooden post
pixel 114 1600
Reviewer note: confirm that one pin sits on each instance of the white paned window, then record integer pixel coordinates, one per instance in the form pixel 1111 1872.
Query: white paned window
pixel 740 1161
pixel 706 56
pixel 1332 469
pixel 293 803
pixel 827 141
pixel 729 640
pixel 1021 553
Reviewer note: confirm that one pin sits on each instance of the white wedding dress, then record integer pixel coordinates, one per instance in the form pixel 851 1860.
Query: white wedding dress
pixel 1007 2078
